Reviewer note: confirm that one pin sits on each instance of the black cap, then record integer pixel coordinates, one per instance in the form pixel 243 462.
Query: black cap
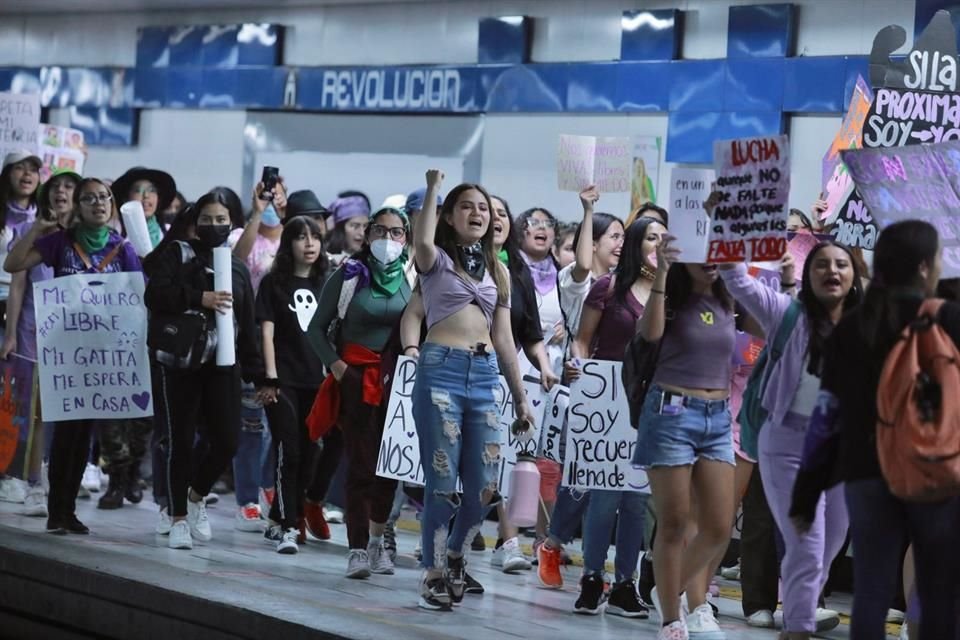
pixel 163 181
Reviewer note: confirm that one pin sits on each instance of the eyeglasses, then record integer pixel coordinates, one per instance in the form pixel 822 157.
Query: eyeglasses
pixel 92 198
pixel 145 191
pixel 537 223
pixel 380 231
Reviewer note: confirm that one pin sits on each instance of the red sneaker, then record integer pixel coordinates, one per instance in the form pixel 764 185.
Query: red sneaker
pixel 548 567
pixel 316 523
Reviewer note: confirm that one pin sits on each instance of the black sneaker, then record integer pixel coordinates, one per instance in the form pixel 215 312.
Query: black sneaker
pixel 72 525
pixel 55 527
pixel 455 575
pixel 624 601
pixel 646 583
pixel 434 595
pixel 273 534
pixel 478 543
pixel 591 595
pixel 472 586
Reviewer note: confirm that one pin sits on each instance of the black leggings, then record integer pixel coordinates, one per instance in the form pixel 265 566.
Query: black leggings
pixel 186 398
pixel 69 453
pixel 294 453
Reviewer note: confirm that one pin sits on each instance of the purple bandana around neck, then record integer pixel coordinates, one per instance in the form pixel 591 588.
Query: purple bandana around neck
pixel 346 208
pixel 356 269
pixel 544 273
pixel 19 215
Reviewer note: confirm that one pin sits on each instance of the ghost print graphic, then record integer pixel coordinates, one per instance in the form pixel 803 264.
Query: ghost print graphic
pixel 305 306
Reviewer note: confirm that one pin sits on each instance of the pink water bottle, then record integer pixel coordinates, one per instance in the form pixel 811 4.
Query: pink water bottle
pixel 524 502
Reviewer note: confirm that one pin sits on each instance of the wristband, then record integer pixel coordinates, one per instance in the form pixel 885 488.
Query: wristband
pixel 787 285
pixel 271 382
pixel 413 346
pixel 660 291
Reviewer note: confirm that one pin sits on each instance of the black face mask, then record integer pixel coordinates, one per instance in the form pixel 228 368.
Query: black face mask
pixel 213 235
pixel 473 261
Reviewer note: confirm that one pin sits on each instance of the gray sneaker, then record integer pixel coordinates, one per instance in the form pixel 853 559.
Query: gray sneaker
pixel 379 559
pixel 358 565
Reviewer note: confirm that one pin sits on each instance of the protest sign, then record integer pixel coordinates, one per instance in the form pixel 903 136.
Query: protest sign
pixel 399 448
pixel 899 118
pixel 17 394
pixel 750 220
pixel 747 349
pixel 558 401
pixel 91 338
pixel 646 171
pixel 689 221
pixel 590 160
pixel 850 135
pixel 510 446
pixel 61 149
pixel 800 245
pixel 600 440
pixel 913 182
pixel 19 122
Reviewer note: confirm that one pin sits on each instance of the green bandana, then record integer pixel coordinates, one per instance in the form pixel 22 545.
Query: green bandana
pixel 503 257
pixel 92 239
pixel 156 231
pixel 385 279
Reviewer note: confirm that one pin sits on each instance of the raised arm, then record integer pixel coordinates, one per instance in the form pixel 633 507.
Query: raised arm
pixel 764 305
pixel 654 318
pixel 23 254
pixel 425 251
pixel 584 260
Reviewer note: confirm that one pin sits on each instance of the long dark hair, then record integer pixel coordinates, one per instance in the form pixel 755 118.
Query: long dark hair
pixel 632 259
pixel 446 239
pixel 818 316
pixel 521 228
pixel 900 251
pixel 179 229
pixel 283 263
pixel 680 287
pixel 510 245
pixel 225 197
pixel 6 192
pixel 601 222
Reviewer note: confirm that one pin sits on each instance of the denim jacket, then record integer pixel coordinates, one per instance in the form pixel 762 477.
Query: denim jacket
pixel 768 307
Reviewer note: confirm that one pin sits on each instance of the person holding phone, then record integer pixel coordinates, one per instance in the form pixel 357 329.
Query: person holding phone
pixel 257 243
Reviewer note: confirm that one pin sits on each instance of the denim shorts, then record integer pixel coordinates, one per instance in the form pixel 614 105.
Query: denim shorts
pixel 683 432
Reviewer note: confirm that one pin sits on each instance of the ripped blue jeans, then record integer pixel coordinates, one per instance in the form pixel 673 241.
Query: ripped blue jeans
pixel 458 426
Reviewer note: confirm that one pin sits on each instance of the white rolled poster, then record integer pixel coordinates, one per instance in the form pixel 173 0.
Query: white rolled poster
pixel 223 281
pixel 135 222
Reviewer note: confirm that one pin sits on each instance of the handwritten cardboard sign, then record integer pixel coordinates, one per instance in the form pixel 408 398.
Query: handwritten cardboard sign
pixel 930 66
pixel 17 382
pixel 61 149
pixel 750 221
pixel 900 117
pixel 91 339
pixel 646 171
pixel 916 182
pixel 600 440
pixel 399 456
pixel 850 135
pixel 689 221
pixel 590 160
pixel 554 417
pixel 19 122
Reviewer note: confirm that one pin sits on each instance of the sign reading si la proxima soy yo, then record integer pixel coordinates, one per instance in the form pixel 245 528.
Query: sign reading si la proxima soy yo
pixel 750 220
pixel 91 342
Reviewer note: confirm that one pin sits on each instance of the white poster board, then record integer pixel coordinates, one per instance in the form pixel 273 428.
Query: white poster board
pixel 689 221
pixel 19 122
pixel 92 348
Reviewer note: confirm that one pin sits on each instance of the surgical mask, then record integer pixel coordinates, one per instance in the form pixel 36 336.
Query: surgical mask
pixel 213 235
pixel 270 217
pixel 386 250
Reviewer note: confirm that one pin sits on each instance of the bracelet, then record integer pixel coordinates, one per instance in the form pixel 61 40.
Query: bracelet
pixel 787 285
pixel 271 382
pixel 413 346
pixel 660 291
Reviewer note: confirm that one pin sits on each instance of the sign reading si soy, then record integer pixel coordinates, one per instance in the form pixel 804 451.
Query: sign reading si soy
pixel 91 339
pixel 600 440
pixel 750 221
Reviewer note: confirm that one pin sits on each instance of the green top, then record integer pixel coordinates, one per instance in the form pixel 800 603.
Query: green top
pixel 369 321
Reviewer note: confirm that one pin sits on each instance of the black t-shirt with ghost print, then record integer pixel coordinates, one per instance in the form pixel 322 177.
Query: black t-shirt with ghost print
pixel 290 306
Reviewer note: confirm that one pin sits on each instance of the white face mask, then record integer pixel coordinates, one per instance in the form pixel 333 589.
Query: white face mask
pixel 385 250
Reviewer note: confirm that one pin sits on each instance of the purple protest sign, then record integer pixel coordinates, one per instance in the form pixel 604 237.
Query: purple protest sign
pixel 850 135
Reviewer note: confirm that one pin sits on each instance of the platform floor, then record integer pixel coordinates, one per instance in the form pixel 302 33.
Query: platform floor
pixel 310 589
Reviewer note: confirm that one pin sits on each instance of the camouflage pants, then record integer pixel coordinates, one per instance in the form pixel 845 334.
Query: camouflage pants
pixel 123 443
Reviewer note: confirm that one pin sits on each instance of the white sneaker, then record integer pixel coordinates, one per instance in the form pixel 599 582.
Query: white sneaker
pixel 165 522
pixel 418 549
pixel 180 537
pixel 45 477
pixel 333 515
pixel 198 521
pixel 676 630
pixel 895 616
pixel 702 625
pixel 379 560
pixel 288 543
pixel 12 490
pixel 684 607
pixel 91 478
pixel 358 564
pixel 762 619
pixel 904 632
pixel 826 619
pixel 731 573
pixel 35 503
pixel 248 519
pixel 510 558
pixel 82 493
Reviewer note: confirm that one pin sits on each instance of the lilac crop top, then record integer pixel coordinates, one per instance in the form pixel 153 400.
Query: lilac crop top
pixel 697 348
pixel 446 292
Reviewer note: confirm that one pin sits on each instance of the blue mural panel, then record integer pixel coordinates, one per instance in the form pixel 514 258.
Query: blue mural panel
pixel 814 85
pixel 924 10
pixel 505 40
pixel 651 35
pixel 761 30
pixel 754 84
pixel 150 86
pixel 540 88
pixel 219 46
pixel 184 86
pixel 643 86
pixel 592 87
pixel 260 45
pixel 690 136
pixel 186 46
pixel 103 126
pixel 153 46
pixel 856 66
pixel 697 85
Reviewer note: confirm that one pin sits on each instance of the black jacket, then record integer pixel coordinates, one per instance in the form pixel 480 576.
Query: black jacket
pixel 174 287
